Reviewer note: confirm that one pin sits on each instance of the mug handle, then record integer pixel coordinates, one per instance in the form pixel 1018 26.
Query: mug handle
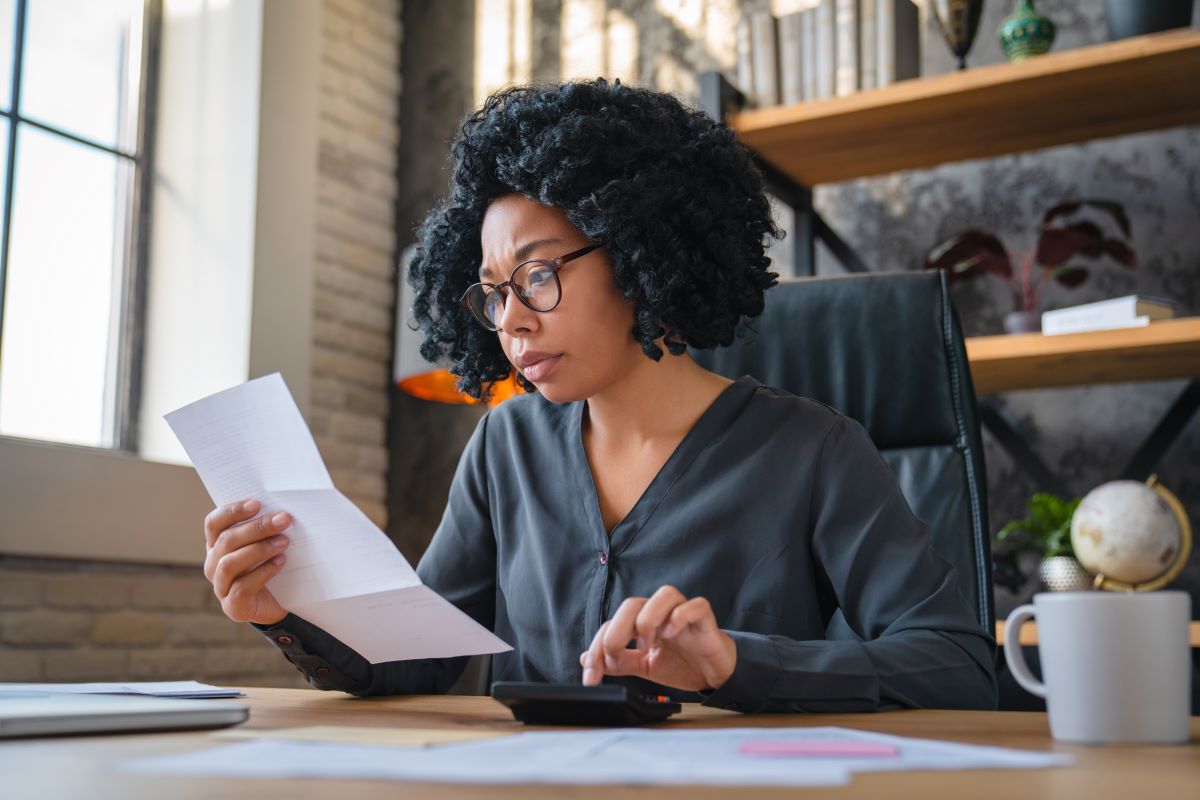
pixel 1013 654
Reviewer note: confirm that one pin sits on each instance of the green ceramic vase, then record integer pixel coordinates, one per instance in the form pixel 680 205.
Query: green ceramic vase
pixel 1025 32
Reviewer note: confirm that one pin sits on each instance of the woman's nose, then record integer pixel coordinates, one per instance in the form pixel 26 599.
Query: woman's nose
pixel 515 316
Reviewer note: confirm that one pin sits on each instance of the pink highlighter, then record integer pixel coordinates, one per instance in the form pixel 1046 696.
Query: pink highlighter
pixel 783 748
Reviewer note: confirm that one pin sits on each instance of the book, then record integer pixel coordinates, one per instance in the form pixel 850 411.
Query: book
pixel 808 51
pixel 765 58
pixel 1130 311
pixel 826 49
pixel 745 61
pixel 845 25
pixel 868 48
pixel 791 59
pixel 897 41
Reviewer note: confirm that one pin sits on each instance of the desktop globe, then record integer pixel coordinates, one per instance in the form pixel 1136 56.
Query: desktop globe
pixel 1132 536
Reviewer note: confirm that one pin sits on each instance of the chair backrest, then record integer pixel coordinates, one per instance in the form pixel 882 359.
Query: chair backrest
pixel 887 350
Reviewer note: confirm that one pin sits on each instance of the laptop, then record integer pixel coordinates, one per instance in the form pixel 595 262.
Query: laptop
pixel 32 713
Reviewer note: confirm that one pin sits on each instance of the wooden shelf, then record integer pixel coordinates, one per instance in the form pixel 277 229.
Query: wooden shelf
pixel 1029 633
pixel 1164 349
pixel 1128 86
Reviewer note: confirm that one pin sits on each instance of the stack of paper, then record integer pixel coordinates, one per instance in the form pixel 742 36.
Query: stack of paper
pixel 181 689
pixel 617 756
pixel 348 734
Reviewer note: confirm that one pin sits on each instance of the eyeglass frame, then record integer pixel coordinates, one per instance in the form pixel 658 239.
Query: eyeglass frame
pixel 504 287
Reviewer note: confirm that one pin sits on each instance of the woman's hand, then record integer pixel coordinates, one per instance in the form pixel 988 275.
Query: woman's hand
pixel 678 643
pixel 242 557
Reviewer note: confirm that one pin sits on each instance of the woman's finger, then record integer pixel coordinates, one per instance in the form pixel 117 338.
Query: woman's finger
pixel 655 612
pixel 223 517
pixel 695 612
pixel 627 662
pixel 592 656
pixel 233 565
pixel 237 537
pixel 251 584
pixel 620 629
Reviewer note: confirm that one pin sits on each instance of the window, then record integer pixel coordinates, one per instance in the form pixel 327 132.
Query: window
pixel 234 195
pixel 74 78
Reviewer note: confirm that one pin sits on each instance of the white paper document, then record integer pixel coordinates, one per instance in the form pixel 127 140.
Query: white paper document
pixel 342 573
pixel 184 689
pixel 618 756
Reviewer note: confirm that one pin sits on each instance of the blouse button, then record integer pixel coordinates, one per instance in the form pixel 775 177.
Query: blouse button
pixel 603 557
pixel 284 639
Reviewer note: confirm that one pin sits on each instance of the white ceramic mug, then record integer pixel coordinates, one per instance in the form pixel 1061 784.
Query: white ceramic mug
pixel 1117 666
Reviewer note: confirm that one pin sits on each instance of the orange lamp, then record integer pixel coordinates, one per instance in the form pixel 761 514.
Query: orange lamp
pixel 414 375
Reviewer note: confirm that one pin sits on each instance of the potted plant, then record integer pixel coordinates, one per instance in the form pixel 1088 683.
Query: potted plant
pixel 1065 239
pixel 1046 532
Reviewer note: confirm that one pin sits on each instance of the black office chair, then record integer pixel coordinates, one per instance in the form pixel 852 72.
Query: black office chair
pixel 886 349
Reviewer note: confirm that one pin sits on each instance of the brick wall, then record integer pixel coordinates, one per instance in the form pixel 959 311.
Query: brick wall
pixel 64 620
pixel 78 621
pixel 356 245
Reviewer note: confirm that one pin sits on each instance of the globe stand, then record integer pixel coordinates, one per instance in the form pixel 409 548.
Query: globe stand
pixel 1102 581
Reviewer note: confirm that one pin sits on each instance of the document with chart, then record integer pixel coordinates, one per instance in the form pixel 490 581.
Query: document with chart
pixel 342 573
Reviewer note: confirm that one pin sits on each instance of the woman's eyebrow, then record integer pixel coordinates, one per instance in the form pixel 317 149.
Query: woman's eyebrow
pixel 522 254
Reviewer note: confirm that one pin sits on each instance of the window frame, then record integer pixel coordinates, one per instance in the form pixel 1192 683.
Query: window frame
pixel 126 395
pixel 66 501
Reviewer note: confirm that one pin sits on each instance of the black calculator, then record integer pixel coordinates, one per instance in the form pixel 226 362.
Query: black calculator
pixel 576 704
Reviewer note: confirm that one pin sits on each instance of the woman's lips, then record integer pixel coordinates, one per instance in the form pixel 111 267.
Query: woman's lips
pixel 538 370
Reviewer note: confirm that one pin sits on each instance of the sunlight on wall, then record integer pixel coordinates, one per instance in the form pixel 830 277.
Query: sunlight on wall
pixel 720 31
pixel 672 75
pixel 582 48
pixel 201 278
pixel 688 15
pixel 503 54
pixel 781 8
pixel 521 51
pixel 622 54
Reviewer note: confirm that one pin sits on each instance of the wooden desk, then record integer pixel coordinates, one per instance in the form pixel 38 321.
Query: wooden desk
pixel 78 767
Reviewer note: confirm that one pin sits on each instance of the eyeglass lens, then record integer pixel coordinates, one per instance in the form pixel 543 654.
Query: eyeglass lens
pixel 533 281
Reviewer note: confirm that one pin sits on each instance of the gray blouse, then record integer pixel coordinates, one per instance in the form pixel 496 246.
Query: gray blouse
pixel 776 508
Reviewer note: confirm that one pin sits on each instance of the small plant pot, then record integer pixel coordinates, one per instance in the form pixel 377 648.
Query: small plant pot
pixel 1022 322
pixel 1064 574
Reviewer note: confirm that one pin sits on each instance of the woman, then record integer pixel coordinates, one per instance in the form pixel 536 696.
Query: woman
pixel 635 517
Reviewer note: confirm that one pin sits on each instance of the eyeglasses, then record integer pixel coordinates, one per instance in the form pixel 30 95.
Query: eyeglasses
pixel 535 282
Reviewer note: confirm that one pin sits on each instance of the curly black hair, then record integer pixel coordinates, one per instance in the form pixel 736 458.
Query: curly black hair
pixel 676 198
